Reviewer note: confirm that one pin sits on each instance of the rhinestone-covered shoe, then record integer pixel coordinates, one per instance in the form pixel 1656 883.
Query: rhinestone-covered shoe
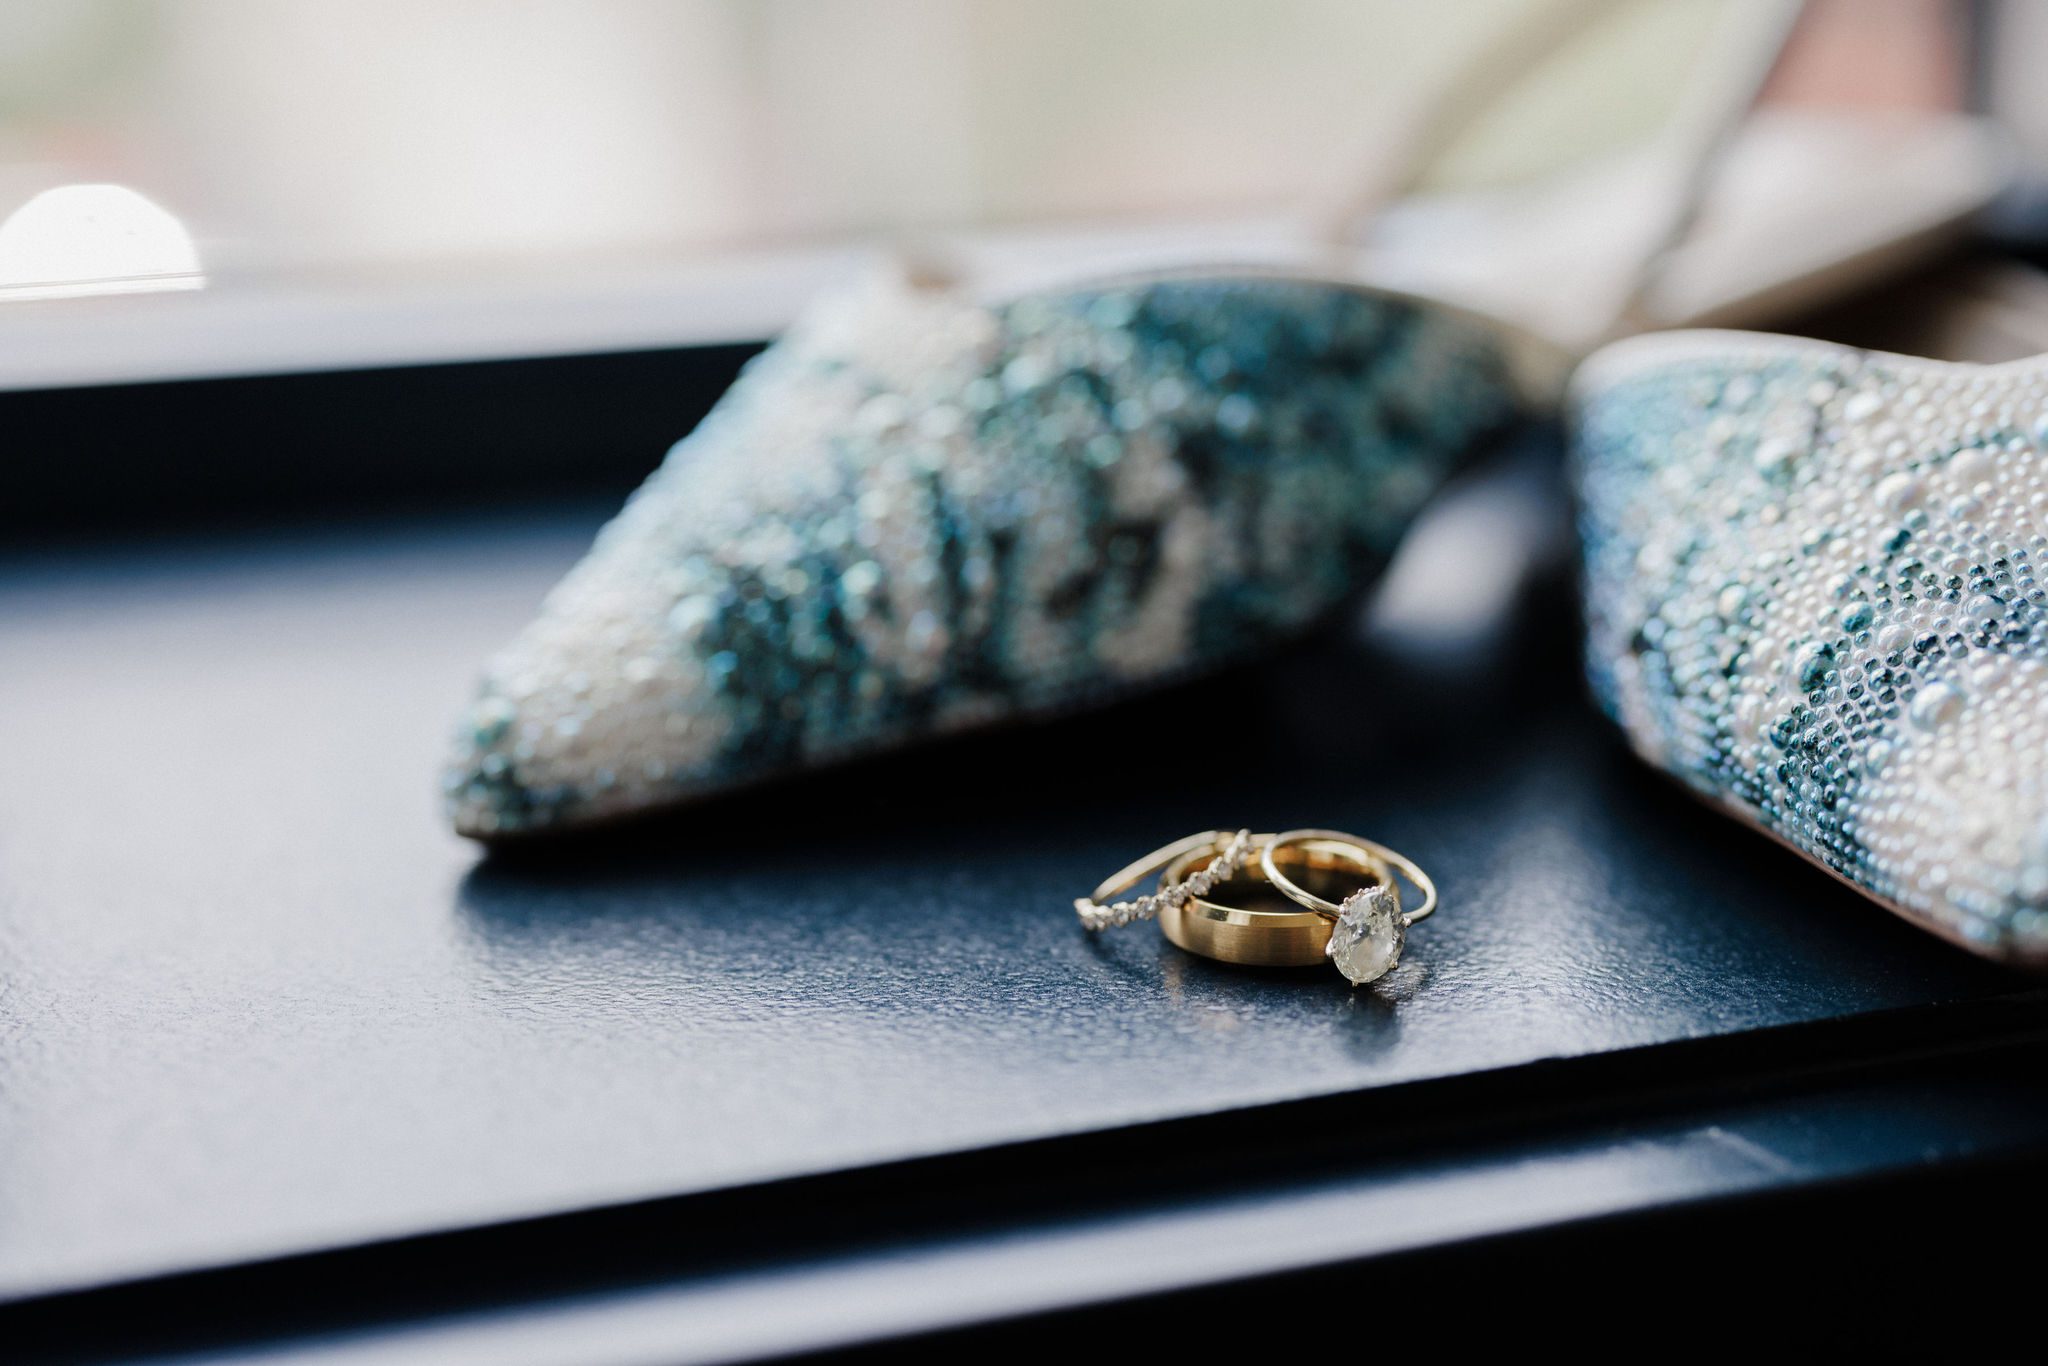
pixel 1815 592
pixel 918 514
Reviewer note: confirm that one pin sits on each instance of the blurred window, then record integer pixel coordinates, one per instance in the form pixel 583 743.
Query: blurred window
pixel 299 136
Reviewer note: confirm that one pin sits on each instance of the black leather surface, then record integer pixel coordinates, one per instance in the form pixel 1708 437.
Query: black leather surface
pixel 253 998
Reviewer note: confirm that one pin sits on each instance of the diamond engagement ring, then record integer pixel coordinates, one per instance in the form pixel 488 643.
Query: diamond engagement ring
pixel 1370 927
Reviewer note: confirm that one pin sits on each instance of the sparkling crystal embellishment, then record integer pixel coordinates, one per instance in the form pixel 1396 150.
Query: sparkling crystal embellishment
pixel 1849 648
pixel 920 514
pixel 1172 896
pixel 1367 943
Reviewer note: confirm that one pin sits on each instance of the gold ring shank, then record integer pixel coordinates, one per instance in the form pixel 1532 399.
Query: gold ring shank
pixel 1246 920
pixel 1121 881
pixel 1276 847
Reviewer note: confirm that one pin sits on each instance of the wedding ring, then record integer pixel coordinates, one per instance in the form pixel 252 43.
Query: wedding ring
pixel 1370 929
pixel 1244 919
pixel 1229 852
pixel 1310 895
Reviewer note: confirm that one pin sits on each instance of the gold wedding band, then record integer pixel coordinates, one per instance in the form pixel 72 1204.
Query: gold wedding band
pixel 1244 919
pixel 1228 853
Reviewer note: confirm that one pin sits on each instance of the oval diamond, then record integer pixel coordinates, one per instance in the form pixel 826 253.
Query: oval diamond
pixel 1369 936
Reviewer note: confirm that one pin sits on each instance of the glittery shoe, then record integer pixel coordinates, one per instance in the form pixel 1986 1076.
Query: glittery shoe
pixel 1814 592
pixel 919 514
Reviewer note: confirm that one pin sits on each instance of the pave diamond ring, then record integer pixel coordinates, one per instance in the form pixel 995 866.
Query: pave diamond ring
pixel 1097 912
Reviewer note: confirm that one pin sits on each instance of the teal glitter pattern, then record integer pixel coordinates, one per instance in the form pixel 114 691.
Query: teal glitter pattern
pixel 1813 592
pixel 918 514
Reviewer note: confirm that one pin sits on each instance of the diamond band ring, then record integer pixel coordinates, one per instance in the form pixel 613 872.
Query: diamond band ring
pixel 1097 912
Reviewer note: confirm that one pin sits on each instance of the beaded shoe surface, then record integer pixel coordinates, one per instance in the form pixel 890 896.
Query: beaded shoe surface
pixel 918 514
pixel 1815 593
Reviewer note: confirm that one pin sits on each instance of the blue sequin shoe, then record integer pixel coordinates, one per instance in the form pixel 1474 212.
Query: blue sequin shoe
pixel 1815 593
pixel 918 514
